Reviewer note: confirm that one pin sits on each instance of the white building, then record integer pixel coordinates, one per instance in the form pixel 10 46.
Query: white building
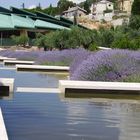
pixel 125 5
pixel 102 10
pixel 74 10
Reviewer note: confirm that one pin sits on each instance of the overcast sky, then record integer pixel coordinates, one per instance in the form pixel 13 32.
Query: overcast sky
pixel 30 3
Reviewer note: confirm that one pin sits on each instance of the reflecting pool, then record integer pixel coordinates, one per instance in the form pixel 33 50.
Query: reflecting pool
pixel 40 116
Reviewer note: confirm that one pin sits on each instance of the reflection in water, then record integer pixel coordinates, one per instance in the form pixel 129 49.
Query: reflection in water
pixel 129 121
pixel 45 116
pixel 124 116
pixel 29 79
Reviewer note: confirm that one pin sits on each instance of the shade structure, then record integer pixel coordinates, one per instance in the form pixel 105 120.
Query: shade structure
pixel 48 25
pixel 22 22
pixel 15 19
pixel 6 22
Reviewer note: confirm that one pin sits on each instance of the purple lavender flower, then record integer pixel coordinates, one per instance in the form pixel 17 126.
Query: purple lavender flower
pixel 64 57
pixel 109 65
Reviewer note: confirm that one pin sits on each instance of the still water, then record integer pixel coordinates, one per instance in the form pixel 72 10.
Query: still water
pixel 39 116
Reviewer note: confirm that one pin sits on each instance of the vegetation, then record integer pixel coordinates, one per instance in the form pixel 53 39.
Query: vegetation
pixel 136 7
pixel 122 37
pixel 109 65
pixel 21 40
pixel 66 39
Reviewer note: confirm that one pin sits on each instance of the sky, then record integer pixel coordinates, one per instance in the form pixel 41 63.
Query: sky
pixel 30 3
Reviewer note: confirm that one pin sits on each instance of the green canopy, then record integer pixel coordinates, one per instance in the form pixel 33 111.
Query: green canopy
pixel 22 22
pixel 48 25
pixel 6 22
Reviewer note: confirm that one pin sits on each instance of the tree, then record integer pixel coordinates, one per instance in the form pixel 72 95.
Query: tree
pixel 87 6
pixel 134 22
pixel 64 5
pixel 136 7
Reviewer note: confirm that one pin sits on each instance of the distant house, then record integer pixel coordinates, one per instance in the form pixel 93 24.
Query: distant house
pixel 102 10
pixel 125 5
pixel 74 10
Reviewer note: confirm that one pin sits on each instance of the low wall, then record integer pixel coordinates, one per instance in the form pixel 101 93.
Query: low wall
pixel 83 88
pixel 7 86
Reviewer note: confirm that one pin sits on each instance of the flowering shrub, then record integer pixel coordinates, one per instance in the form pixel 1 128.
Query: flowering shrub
pixel 110 65
pixel 21 55
pixel 105 65
pixel 64 57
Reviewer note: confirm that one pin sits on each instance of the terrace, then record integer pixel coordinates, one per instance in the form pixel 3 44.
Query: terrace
pixel 42 107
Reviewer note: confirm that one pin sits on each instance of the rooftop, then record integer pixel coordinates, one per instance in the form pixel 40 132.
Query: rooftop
pixel 75 9
pixel 14 18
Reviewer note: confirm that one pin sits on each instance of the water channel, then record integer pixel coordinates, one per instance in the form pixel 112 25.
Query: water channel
pixel 40 116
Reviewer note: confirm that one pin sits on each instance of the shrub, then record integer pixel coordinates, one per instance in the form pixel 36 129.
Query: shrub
pixel 21 55
pixel 93 47
pixel 105 37
pixel 132 78
pixel 122 43
pixel 126 43
pixel 135 7
pixel 134 22
pixel 67 39
pixel 111 65
pixel 64 57
pixel 21 40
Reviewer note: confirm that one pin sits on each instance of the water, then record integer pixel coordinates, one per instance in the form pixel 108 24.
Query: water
pixel 32 79
pixel 30 116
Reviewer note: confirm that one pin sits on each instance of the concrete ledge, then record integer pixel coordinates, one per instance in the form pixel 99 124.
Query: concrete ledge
pixel 7 68
pixel 14 62
pixel 3 132
pixel 104 48
pixel 37 90
pixel 85 87
pixel 42 68
pixel 8 83
pixel 6 58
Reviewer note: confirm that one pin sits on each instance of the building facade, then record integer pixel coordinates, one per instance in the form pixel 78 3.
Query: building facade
pixel 102 10
pixel 70 13
pixel 125 5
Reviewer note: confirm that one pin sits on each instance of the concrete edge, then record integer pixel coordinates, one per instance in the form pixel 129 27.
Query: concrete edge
pixel 63 84
pixel 8 82
pixel 104 48
pixel 7 68
pixel 6 58
pixel 17 62
pixel 37 90
pixel 42 68
pixel 3 132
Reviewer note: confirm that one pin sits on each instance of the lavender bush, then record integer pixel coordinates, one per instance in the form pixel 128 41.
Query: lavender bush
pixel 21 55
pixel 64 57
pixel 56 57
pixel 110 65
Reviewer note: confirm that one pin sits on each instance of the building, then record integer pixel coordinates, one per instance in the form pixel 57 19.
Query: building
pixel 15 21
pixel 125 5
pixel 74 10
pixel 102 10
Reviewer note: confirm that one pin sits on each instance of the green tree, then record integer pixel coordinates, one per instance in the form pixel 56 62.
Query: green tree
pixel 134 22
pixel 64 5
pixel 136 7
pixel 21 40
pixel 87 6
